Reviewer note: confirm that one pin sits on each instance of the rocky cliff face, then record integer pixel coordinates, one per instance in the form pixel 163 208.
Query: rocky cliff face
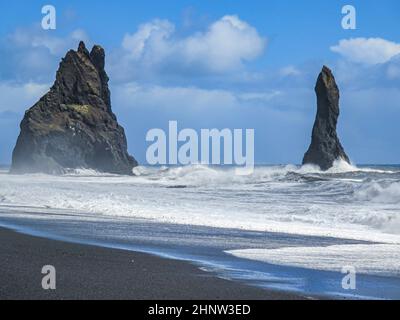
pixel 325 146
pixel 73 126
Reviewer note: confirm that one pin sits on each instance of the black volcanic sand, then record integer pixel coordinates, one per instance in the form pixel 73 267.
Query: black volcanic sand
pixel 90 272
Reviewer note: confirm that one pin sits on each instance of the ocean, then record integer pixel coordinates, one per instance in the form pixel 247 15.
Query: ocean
pixel 284 227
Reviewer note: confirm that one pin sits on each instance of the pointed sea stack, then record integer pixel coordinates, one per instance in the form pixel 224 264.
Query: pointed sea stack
pixel 325 146
pixel 73 126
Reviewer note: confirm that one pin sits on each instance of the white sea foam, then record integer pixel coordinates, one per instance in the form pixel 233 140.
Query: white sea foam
pixel 197 175
pixel 87 173
pixel 388 192
pixel 378 259
pixel 343 202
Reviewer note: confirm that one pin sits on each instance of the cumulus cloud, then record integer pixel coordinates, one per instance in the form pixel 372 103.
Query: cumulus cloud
pixel 225 46
pixel 367 51
pixel 149 37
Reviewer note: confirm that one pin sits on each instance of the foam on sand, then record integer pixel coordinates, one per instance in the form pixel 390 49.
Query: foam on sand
pixel 377 259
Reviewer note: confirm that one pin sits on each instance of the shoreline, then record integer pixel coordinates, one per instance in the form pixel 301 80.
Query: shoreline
pixel 169 243
pixel 90 272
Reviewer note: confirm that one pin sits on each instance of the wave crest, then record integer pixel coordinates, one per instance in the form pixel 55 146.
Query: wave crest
pixel 379 192
pixel 202 175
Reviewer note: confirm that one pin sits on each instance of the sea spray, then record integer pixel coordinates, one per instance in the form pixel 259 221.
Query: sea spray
pixel 289 198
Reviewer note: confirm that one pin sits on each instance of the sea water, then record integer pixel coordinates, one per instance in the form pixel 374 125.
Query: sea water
pixel 279 217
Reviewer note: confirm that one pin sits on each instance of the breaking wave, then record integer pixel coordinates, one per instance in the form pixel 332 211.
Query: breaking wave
pixel 207 175
pixel 345 201
pixel 384 192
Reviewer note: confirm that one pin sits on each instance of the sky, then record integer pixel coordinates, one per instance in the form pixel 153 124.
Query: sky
pixel 217 64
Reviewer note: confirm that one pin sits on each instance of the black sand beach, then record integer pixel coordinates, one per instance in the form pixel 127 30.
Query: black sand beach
pixel 89 272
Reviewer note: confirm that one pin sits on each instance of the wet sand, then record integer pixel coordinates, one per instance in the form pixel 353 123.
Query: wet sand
pixel 89 272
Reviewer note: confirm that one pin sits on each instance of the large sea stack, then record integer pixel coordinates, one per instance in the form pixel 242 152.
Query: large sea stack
pixel 73 126
pixel 325 146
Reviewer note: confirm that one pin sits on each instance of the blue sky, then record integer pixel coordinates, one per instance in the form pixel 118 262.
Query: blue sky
pixel 234 64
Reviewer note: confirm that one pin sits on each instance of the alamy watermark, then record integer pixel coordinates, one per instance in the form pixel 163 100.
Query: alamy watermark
pixel 49 280
pixel 349 281
pixel 349 21
pixel 49 21
pixel 212 146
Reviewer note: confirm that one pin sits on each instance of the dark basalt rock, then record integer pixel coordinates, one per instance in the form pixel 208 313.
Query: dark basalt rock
pixel 73 126
pixel 325 146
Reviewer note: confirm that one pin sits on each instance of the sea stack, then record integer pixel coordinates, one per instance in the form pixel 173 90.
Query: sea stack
pixel 325 146
pixel 73 126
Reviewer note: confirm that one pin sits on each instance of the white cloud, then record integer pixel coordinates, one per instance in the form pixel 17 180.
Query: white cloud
pixel 35 37
pixel 154 97
pixel 33 54
pixel 289 71
pixel 259 96
pixel 133 95
pixel 149 35
pixel 225 46
pixel 367 51
pixel 19 97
